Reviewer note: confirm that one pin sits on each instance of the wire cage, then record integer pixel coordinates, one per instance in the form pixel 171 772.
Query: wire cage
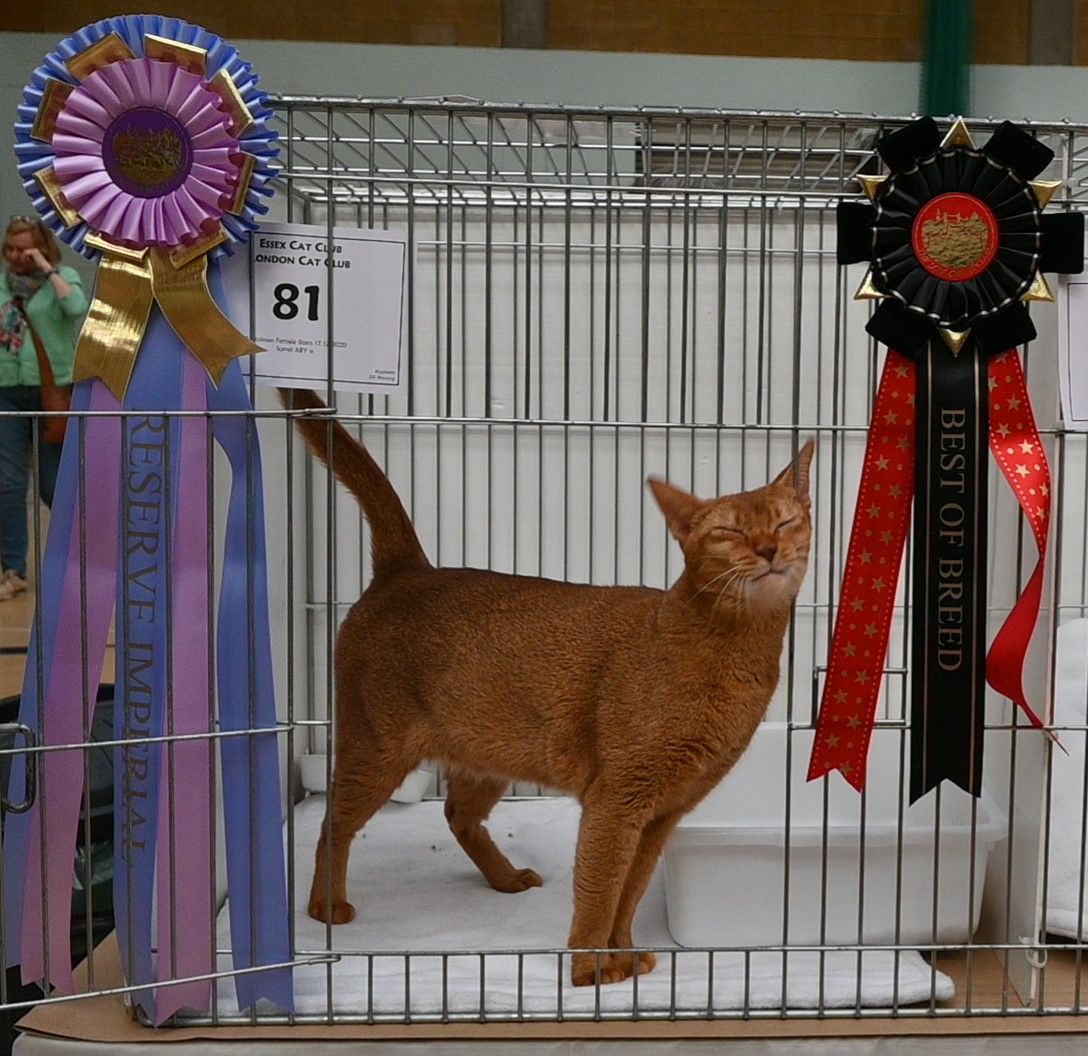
pixel 596 296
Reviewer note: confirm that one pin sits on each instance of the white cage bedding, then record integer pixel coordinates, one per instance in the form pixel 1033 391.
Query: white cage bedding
pixel 415 890
pixel 1066 882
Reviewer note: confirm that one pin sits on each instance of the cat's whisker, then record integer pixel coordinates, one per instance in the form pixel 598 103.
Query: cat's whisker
pixel 726 597
pixel 728 580
pixel 732 572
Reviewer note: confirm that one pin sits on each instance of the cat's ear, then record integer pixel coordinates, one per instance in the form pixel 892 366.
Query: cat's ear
pixel 678 507
pixel 796 473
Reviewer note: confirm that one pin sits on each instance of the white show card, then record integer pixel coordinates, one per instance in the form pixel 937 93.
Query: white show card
pixel 279 293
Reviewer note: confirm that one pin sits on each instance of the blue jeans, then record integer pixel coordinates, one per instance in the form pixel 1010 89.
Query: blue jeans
pixel 16 435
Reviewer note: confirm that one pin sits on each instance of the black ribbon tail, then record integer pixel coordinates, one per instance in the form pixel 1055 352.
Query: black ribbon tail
pixel 855 230
pixel 1010 327
pixel 948 666
pixel 1020 151
pixel 901 149
pixel 1063 243
pixel 897 327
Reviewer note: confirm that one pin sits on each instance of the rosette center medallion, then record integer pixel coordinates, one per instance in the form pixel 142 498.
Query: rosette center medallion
pixel 147 152
pixel 955 237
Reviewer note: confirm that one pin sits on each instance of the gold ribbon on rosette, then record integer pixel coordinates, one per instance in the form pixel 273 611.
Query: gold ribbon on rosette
pixel 129 282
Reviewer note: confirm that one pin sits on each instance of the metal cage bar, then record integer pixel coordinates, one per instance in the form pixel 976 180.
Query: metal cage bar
pixel 595 295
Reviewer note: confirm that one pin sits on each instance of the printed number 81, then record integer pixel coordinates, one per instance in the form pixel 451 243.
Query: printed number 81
pixel 286 294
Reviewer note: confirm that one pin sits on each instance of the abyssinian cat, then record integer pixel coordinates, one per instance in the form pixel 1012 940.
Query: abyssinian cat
pixel 636 701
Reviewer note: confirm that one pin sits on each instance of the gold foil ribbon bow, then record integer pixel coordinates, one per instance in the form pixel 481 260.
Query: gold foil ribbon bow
pixel 129 281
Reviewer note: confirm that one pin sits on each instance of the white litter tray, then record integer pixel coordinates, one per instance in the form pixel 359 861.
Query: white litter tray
pixel 734 869
pixel 415 890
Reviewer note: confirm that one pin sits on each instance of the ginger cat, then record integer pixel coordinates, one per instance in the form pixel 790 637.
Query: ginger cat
pixel 636 701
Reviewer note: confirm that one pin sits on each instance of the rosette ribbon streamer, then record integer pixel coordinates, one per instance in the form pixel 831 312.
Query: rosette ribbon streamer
pixel 144 142
pixel 956 243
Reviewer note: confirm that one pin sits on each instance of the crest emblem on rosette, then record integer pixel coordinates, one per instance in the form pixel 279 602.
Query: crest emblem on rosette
pixel 956 237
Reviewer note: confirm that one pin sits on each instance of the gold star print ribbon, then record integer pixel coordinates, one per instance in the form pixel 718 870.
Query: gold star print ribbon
pixel 129 283
pixel 1018 450
pixel 862 627
pixel 860 642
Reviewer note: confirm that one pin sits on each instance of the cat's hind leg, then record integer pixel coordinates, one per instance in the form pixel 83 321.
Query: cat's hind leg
pixel 468 803
pixel 364 780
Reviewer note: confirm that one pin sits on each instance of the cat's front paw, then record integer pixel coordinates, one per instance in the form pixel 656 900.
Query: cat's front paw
pixel 625 962
pixel 517 880
pixel 584 969
pixel 613 967
pixel 342 912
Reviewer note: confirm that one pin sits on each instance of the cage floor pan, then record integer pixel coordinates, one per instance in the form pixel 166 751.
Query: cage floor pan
pixel 417 893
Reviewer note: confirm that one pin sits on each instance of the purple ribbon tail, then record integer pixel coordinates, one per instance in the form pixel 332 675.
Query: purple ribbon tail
pixel 43 919
pixel 185 889
pixel 149 459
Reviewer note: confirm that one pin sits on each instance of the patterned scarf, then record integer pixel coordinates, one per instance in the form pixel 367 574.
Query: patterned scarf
pixel 12 323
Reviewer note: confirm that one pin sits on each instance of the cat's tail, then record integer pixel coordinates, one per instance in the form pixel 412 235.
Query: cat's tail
pixel 394 542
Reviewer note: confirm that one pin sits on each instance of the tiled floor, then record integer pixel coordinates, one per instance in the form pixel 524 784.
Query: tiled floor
pixel 16 621
pixel 16 618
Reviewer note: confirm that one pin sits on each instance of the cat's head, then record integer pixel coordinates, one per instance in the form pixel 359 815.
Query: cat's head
pixel 749 551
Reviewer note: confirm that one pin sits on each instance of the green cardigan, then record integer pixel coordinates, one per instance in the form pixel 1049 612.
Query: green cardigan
pixel 57 322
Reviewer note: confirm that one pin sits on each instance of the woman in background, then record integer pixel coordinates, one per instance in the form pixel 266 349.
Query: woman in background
pixel 38 298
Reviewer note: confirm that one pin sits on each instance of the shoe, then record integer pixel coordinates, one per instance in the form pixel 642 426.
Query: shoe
pixel 11 583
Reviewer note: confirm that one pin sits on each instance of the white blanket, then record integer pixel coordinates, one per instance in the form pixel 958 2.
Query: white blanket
pixel 415 890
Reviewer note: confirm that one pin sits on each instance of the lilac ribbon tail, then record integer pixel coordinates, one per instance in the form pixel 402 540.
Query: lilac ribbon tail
pixel 79 506
pixel 42 635
pixel 185 888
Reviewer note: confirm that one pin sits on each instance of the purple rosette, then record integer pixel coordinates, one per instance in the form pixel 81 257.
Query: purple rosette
pixel 144 153
pixel 144 142
pixel 155 84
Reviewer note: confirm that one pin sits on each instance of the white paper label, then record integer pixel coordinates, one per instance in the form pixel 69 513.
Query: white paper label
pixel 288 311
pixel 1073 351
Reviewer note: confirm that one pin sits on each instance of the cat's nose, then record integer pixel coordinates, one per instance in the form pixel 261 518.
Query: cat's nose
pixel 767 552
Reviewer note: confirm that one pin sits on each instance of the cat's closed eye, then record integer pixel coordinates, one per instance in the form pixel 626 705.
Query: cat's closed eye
pixel 721 531
pixel 786 524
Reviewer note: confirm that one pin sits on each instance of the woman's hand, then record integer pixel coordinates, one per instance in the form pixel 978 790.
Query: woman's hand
pixel 35 256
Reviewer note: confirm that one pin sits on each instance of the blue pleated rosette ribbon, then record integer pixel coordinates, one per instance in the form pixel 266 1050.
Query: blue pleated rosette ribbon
pixel 144 142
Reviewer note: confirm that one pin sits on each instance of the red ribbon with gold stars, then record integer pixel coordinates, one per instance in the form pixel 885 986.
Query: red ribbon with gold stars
pixel 1015 442
pixel 881 519
pixel 859 644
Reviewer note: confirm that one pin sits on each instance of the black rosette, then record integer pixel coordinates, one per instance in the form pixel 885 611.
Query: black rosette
pixel 1008 231
pixel 956 237
pixel 956 240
